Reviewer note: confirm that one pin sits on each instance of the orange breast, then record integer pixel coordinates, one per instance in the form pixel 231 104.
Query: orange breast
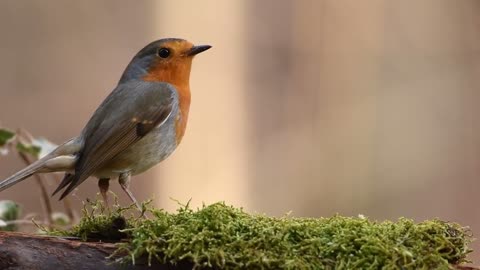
pixel 178 74
pixel 182 118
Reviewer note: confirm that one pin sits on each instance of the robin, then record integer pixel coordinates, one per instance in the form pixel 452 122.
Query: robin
pixel 138 125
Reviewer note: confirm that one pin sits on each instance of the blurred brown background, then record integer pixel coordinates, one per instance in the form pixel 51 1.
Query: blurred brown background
pixel 319 107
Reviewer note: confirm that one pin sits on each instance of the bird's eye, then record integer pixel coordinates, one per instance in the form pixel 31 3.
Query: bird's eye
pixel 163 52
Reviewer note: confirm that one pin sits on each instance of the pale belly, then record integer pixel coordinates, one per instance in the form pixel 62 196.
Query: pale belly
pixel 144 154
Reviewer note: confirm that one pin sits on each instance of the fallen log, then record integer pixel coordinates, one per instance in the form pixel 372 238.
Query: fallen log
pixel 219 236
pixel 19 251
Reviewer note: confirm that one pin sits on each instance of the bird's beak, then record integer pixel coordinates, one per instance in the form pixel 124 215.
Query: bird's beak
pixel 197 49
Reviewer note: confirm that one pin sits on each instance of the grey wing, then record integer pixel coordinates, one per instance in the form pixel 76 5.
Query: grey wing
pixel 130 112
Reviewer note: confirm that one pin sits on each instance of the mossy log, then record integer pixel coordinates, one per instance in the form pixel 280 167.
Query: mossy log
pixel 19 251
pixel 218 236
pixel 25 251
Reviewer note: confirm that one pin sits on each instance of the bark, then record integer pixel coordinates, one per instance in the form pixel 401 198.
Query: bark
pixel 34 252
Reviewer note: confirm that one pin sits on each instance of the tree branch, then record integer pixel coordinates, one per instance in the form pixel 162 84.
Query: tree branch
pixel 23 251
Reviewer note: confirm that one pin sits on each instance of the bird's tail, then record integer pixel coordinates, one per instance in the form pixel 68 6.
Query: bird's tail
pixel 61 159
pixel 21 175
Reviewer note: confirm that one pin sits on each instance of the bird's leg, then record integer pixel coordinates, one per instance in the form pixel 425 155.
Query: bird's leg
pixel 124 181
pixel 103 184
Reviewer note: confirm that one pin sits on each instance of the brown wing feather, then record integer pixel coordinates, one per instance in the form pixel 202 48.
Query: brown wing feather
pixel 131 112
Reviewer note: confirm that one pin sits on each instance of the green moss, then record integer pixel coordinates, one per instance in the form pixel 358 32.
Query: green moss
pixel 98 223
pixel 221 236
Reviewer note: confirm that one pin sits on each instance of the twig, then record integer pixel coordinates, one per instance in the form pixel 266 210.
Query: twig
pixel 22 222
pixel 66 201
pixel 25 136
pixel 43 191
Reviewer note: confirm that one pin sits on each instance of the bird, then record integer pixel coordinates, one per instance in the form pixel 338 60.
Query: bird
pixel 139 124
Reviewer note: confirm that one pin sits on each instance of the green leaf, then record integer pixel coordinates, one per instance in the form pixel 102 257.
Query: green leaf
pixel 9 210
pixel 5 136
pixel 29 149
